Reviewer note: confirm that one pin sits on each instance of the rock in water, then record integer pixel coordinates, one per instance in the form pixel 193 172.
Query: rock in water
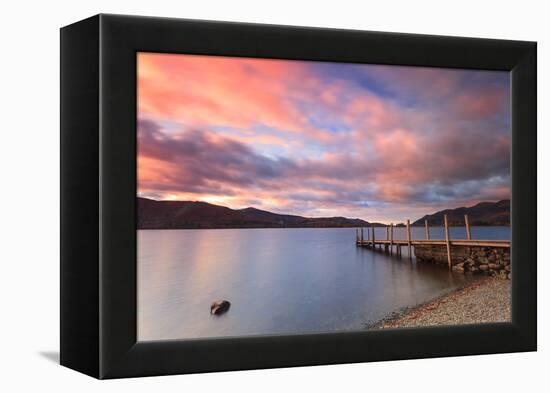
pixel 219 307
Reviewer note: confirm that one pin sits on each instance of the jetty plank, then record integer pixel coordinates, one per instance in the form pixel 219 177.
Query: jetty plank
pixel 472 243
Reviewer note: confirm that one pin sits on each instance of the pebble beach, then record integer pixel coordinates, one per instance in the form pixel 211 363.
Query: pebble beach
pixel 485 301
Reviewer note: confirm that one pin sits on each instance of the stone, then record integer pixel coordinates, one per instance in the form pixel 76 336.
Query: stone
pixel 483 268
pixel 219 307
pixel 507 268
pixel 483 260
pixel 493 266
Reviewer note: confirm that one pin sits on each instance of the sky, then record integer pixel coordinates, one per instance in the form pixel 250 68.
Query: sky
pixel 377 142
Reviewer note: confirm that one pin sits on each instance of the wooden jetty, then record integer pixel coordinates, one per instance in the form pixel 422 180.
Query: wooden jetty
pixel 391 245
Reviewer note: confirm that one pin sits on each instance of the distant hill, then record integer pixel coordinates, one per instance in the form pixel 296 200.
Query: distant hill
pixel 482 214
pixel 187 215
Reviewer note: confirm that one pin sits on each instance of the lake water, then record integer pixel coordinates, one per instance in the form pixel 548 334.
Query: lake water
pixel 280 280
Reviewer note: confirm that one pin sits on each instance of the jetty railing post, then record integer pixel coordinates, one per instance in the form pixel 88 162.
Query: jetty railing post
pixel 468 233
pixel 409 237
pixel 373 244
pixel 447 240
pixel 368 238
pixel 391 238
pixel 362 235
pixel 386 246
pixel 427 229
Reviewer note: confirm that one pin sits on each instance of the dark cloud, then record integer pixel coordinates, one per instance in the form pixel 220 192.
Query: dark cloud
pixel 453 165
pixel 201 161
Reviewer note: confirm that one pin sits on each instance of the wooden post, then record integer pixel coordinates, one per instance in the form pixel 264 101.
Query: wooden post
pixel 427 229
pixel 447 240
pixel 468 233
pixel 373 244
pixel 386 246
pixel 391 238
pixel 409 237
pixel 362 235
pixel 356 235
pixel 368 238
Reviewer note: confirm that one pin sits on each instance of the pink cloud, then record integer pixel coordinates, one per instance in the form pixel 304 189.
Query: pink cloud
pixel 218 90
pixel 331 146
pixel 481 104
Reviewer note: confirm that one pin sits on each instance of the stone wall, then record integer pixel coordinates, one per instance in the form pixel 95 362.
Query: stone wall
pixel 469 260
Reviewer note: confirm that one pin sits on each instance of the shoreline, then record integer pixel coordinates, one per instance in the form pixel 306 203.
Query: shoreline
pixel 487 300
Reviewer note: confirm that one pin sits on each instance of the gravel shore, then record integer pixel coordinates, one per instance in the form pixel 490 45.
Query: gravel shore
pixel 487 300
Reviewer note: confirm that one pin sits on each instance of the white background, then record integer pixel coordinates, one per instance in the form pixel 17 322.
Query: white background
pixel 29 194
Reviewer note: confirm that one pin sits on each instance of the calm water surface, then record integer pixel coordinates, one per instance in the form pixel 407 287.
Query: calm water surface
pixel 279 280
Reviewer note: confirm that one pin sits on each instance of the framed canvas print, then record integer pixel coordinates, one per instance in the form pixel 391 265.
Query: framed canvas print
pixel 238 196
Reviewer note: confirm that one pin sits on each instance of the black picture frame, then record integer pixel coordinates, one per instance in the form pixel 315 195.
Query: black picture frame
pixel 98 195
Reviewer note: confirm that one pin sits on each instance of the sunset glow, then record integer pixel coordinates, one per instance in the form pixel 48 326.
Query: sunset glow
pixel 381 143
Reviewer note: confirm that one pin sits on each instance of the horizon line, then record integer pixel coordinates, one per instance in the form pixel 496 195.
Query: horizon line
pixel 385 222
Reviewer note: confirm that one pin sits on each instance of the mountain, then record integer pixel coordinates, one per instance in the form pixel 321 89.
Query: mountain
pixel 482 214
pixel 187 214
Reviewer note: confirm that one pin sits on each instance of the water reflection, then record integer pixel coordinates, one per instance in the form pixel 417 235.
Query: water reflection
pixel 278 280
